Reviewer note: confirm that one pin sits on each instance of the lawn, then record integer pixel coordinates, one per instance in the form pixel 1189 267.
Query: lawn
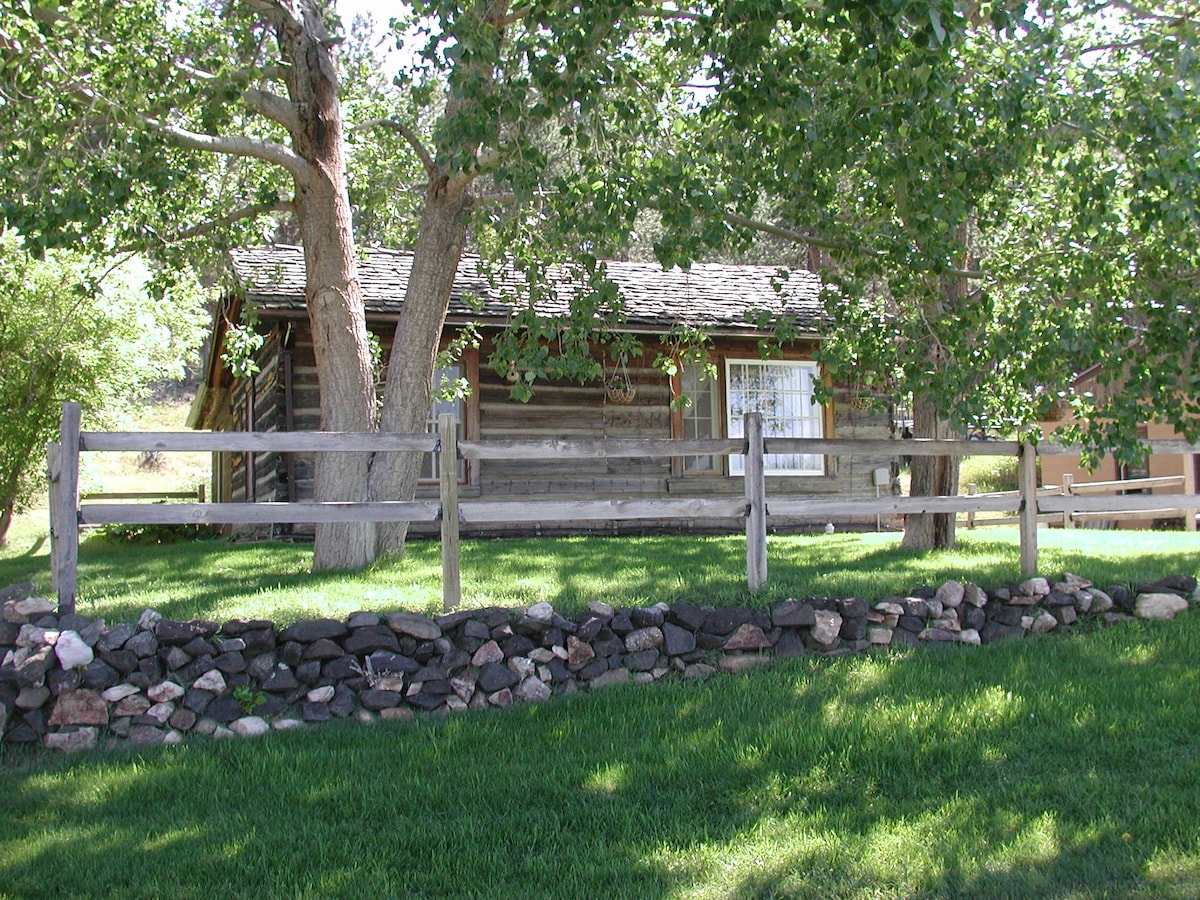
pixel 1055 766
pixel 219 580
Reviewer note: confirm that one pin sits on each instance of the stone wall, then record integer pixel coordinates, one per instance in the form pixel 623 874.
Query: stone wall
pixel 70 682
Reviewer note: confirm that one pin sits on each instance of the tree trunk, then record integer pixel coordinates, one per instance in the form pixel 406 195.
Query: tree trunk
pixel 931 476
pixel 332 291
pixel 414 350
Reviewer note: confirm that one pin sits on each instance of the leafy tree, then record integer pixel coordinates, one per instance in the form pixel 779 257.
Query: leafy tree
pixel 69 331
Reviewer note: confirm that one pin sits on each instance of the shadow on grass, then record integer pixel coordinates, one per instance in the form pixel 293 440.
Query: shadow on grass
pixel 1051 768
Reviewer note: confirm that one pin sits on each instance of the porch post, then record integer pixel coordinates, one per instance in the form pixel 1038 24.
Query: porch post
pixel 756 501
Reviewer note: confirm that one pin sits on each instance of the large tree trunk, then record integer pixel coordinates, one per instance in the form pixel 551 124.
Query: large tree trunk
pixel 436 256
pixel 332 291
pixel 931 476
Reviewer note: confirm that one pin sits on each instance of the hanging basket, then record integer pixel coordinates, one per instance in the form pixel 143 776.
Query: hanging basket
pixel 1057 410
pixel 620 394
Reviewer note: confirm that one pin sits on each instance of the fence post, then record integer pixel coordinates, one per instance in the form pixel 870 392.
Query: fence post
pixel 65 559
pixel 971 488
pixel 448 476
pixel 1027 480
pixel 1068 490
pixel 53 473
pixel 756 499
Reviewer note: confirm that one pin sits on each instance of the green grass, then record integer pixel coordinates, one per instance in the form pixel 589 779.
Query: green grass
pixel 1056 767
pixel 217 579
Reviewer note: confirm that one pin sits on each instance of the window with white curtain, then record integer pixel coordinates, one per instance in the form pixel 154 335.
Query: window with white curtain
pixel 782 391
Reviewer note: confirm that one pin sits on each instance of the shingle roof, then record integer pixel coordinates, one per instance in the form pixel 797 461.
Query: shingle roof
pixel 710 295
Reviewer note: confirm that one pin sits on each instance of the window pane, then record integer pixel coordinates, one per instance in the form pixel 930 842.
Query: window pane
pixel 698 419
pixel 782 393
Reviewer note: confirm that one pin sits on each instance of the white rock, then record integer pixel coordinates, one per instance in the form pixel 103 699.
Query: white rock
pixel 522 666
pixel 33 606
pixel 455 703
pixel 1044 622
pixel 1159 606
pixel 287 724
pixel 250 726
pixel 487 653
pixel 321 694
pixel 1035 587
pixel 879 635
pixel 32 636
pixel 71 650
pixel 970 636
pixel 148 619
pixel 212 681
pixel 541 612
pixel 974 594
pixel 951 594
pixel 600 608
pixel 118 692
pixel 533 690
pixel 174 736
pixel 160 712
pixel 888 608
pixel 828 625
pixel 164 692
pixel 1101 602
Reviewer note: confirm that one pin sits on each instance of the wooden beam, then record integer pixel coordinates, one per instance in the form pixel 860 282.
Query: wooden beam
pixel 448 476
pixel 633 448
pixel 258 513
pixel 480 512
pixel 891 447
pixel 1122 504
pixel 259 441
pixel 825 507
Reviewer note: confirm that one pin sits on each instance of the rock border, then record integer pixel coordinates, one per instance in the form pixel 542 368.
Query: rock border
pixel 72 683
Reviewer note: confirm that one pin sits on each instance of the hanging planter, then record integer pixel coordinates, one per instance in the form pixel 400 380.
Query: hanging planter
pixel 1057 410
pixel 619 388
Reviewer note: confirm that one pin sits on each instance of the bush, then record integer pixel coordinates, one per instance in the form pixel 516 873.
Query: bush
pixel 988 473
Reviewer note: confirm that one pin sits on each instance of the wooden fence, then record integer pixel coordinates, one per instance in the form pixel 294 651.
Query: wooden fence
pixel 755 507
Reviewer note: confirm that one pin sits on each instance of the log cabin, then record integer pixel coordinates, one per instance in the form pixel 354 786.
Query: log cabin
pixel 726 302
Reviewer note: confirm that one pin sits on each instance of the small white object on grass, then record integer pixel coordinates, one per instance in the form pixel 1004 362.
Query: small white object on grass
pixel 829 528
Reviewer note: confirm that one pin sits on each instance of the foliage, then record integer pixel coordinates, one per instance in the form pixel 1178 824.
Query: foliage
pixel 69 331
pixel 989 473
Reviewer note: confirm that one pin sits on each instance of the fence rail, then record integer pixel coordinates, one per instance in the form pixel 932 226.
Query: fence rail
pixel 67 513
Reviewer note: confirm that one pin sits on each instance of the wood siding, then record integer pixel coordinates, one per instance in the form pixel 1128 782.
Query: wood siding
pixel 283 390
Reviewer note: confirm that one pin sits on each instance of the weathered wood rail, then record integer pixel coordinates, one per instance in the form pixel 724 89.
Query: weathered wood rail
pixel 67 513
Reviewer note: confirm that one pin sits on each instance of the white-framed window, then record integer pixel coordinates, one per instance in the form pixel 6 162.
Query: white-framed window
pixel 440 406
pixel 782 391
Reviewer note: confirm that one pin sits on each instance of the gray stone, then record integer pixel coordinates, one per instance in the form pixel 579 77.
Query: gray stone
pixel 143 644
pixel 133 705
pixel 1158 606
pixel 159 713
pixel 422 628
pixel 522 666
pixel 32 607
pixel 72 741
pixel 250 726
pixel 609 678
pixel 309 630
pixel 677 640
pixel 533 690
pixel 1043 622
pixel 368 640
pixel 970 636
pixel 938 635
pixel 364 619
pixel 1035 587
pixel 31 670
pixel 879 635
pixel 32 697
pixel 699 670
pixel 495 677
pixel 643 639
pixel 502 699
pixel 642 661
pixel 179 633
pixel 323 648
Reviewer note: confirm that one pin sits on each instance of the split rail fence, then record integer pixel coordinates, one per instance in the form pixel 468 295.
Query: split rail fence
pixel 67 513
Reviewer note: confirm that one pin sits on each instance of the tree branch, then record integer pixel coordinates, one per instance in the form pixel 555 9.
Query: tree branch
pixel 240 214
pixel 268 151
pixel 408 134
pixel 274 107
